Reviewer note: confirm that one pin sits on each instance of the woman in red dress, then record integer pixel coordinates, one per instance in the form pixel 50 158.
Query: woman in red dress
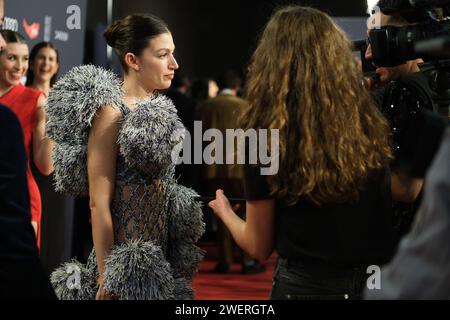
pixel 29 106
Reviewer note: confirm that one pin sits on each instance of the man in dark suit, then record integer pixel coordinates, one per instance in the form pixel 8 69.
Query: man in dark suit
pixel 21 273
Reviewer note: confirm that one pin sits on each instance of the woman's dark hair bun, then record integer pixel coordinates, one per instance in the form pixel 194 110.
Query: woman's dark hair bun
pixel 111 33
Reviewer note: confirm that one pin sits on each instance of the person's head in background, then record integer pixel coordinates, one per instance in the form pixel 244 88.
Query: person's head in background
pixel 44 66
pixel 378 19
pixel 204 88
pixel 13 59
pixel 230 82
pixel 305 81
pixel 213 88
pixel 181 84
pixel 145 49
pixel 2 18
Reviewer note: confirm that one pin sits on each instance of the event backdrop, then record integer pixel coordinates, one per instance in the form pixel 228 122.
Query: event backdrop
pixel 62 22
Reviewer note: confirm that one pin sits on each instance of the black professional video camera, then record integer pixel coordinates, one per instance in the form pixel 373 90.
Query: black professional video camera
pixel 428 37
pixel 416 131
pixel 392 46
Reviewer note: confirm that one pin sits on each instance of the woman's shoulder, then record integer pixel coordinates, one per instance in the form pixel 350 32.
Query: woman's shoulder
pixel 31 92
pixel 111 112
pixel 23 97
pixel 22 91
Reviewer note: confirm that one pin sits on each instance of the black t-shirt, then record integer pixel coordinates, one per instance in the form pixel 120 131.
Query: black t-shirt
pixel 346 235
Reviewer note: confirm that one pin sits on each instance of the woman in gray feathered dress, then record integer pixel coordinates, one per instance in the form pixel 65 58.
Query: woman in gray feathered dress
pixel 114 141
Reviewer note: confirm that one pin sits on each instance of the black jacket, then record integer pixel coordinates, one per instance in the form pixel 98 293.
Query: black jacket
pixel 21 274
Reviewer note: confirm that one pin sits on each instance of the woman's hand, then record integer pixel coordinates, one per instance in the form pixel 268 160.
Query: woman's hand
pixel 221 205
pixel 102 294
pixel 35 228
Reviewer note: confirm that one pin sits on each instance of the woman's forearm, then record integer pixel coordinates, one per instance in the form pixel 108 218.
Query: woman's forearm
pixel 103 236
pixel 42 145
pixel 246 237
pixel 43 156
pixel 239 231
pixel 255 235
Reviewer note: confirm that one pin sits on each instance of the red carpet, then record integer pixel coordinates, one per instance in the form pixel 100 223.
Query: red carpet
pixel 234 285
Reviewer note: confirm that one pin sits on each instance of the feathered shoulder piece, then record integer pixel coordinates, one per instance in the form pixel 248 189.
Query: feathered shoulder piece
pixel 149 136
pixel 71 106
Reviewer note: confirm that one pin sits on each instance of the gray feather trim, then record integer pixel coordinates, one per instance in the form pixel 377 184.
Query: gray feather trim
pixel 138 270
pixel 186 215
pixel 183 289
pixel 70 174
pixel 75 99
pixel 71 107
pixel 91 264
pixel 184 258
pixel 73 281
pixel 149 135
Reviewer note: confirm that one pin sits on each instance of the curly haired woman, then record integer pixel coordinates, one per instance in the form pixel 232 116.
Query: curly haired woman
pixel 327 211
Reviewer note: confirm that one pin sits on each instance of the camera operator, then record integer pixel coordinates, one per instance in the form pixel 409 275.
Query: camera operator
pixel 386 74
pixel 420 269
pixel 400 92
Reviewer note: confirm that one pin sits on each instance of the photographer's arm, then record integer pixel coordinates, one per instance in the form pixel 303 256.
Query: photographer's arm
pixel 404 188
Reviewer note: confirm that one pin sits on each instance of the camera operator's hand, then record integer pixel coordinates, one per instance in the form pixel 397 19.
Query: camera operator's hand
pixel 369 83
pixel 372 83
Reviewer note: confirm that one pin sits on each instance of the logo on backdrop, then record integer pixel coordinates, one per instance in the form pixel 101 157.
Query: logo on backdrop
pixel 10 24
pixel 48 28
pixel 32 30
pixel 61 35
pixel 74 20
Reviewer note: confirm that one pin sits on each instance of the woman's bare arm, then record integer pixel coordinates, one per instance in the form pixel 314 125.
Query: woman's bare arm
pixel 102 155
pixel 255 235
pixel 42 145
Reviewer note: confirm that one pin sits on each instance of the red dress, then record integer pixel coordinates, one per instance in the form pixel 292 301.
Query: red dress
pixel 23 101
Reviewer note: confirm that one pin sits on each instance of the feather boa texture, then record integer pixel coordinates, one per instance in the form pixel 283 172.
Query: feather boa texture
pixel 186 226
pixel 149 135
pixel 183 289
pixel 184 258
pixel 70 174
pixel 186 216
pixel 71 107
pixel 74 281
pixel 137 270
pixel 75 99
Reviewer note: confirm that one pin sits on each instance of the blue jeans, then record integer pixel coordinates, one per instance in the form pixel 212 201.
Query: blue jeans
pixel 304 281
